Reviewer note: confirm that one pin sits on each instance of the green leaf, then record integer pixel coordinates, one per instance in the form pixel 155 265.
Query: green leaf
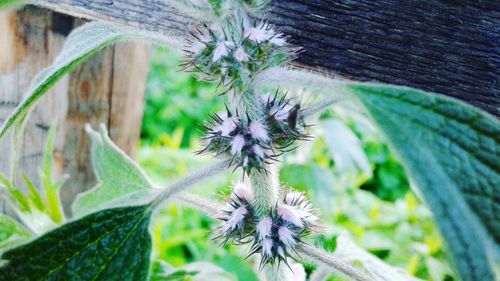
pixel 29 209
pixel 345 147
pixel 80 45
pixel 12 233
pixel 34 195
pixel 21 202
pixel 120 178
pixel 312 178
pixel 51 188
pixel 112 244
pixel 450 150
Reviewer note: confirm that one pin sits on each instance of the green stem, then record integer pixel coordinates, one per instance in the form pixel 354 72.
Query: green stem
pixel 265 193
pixel 277 273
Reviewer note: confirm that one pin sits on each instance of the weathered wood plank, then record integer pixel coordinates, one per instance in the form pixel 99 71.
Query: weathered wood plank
pixel 27 45
pixel 448 47
pixel 98 91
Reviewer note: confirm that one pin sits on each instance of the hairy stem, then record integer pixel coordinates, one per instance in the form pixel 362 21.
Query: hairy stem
pixel 190 180
pixel 320 274
pixel 265 193
pixel 247 104
pixel 322 257
pixel 277 273
pixel 201 204
pixel 320 106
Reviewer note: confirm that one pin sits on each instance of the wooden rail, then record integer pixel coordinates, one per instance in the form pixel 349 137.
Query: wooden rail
pixel 444 46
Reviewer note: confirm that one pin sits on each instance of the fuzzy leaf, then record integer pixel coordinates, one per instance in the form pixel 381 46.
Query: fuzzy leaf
pixel 12 233
pixel 80 45
pixel 113 244
pixel 345 147
pixel 119 177
pixel 450 150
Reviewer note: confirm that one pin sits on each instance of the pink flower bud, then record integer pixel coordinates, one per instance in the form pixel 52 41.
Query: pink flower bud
pixel 286 236
pixel 267 246
pixel 228 125
pixel 258 131
pixel 290 214
pixel 240 54
pixel 257 149
pixel 221 50
pixel 241 191
pixel 235 220
pixel 237 144
pixel 257 34
pixel 264 228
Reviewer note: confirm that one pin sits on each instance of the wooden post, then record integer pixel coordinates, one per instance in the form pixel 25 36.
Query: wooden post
pixel 102 90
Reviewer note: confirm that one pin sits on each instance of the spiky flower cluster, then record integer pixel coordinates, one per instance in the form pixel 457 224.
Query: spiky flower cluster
pixel 274 236
pixel 233 54
pixel 237 216
pixel 251 143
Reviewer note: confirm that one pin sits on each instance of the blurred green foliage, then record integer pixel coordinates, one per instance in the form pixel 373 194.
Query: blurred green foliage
pixel 363 190
pixel 176 102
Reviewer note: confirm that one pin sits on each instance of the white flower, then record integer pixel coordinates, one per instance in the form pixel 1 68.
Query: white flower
pixel 258 34
pixel 196 47
pixel 267 246
pixel 258 131
pixel 228 207
pixel 264 228
pixel 294 197
pixel 228 125
pixel 205 38
pixel 258 151
pixel 299 274
pixel 264 98
pixel 221 50
pixel 289 214
pixel 280 113
pixel 281 252
pixel 241 191
pixel 237 144
pixel 286 236
pixel 235 220
pixel 240 54
pixel 301 206
pixel 200 41
pixel 278 40
pixel 292 214
pixel 310 219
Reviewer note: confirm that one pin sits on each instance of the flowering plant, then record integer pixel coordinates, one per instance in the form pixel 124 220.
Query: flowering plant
pixel 109 230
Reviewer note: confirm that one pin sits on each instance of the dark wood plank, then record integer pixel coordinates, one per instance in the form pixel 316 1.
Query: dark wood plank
pixel 448 47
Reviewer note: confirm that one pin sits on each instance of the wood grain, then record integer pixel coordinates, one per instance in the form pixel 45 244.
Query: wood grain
pixel 100 90
pixel 444 46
